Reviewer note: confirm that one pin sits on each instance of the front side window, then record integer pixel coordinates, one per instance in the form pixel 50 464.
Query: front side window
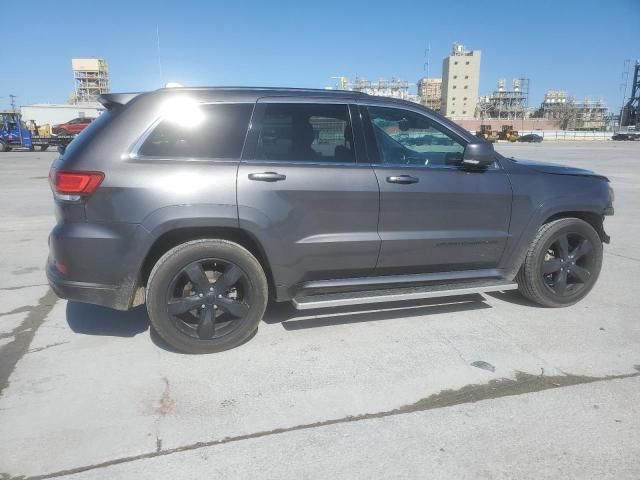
pixel 306 132
pixel 408 138
pixel 218 132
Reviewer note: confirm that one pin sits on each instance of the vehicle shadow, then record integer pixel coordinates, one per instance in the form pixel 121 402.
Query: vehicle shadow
pixel 292 319
pixel 514 296
pixel 89 319
pixel 96 320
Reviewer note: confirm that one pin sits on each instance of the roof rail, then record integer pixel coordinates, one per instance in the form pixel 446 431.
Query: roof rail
pixel 273 89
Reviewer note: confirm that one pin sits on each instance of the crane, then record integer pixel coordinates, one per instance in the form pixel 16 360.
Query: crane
pixel 630 115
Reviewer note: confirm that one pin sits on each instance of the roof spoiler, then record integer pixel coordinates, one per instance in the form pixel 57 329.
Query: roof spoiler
pixel 111 100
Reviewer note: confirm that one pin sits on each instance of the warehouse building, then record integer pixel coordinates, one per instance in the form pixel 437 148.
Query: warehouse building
pixel 53 114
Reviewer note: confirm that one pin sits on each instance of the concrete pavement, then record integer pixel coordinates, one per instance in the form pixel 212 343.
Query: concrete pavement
pixel 93 391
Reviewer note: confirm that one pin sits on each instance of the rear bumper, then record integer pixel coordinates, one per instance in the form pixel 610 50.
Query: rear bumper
pixel 94 293
pixel 91 263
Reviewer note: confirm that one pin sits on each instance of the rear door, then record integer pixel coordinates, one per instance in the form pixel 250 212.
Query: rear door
pixel 303 194
pixel 435 214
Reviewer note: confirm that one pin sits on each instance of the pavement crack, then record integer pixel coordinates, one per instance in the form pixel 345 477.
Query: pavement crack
pixel 623 256
pixel 20 287
pixel 24 308
pixel 39 349
pixel 24 333
pixel 504 387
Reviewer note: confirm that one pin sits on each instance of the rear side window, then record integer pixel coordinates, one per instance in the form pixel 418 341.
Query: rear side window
pixel 306 132
pixel 220 134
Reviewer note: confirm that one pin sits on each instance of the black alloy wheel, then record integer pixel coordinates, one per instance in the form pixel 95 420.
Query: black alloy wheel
pixel 209 298
pixel 562 264
pixel 206 295
pixel 568 263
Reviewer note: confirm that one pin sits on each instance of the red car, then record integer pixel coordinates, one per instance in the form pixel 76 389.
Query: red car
pixel 72 127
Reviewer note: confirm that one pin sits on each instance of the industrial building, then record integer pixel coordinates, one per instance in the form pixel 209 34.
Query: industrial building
pixel 394 88
pixel 572 114
pixel 591 114
pixel 506 104
pixel 91 78
pixel 430 92
pixel 460 83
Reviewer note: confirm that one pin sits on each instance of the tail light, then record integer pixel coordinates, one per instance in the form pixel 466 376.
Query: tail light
pixel 73 185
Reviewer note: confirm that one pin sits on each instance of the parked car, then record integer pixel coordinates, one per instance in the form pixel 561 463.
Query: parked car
pixel 203 203
pixel 72 127
pixel 626 136
pixel 531 138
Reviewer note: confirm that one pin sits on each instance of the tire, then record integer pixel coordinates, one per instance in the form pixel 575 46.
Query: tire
pixel 554 273
pixel 172 284
pixel 4 147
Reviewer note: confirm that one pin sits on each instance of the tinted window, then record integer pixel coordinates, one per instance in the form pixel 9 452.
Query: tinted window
pixel 408 138
pixel 306 132
pixel 220 134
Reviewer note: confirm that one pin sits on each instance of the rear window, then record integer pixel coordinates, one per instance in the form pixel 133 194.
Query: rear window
pixel 220 134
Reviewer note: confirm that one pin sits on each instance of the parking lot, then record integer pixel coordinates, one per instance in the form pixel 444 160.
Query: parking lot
pixel 373 391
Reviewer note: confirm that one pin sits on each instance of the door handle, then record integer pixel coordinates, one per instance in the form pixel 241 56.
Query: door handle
pixel 403 179
pixel 267 177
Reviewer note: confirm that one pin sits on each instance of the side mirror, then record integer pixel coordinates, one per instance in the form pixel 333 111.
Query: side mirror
pixel 478 154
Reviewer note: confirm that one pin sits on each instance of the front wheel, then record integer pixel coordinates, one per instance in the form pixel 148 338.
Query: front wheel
pixel 562 264
pixel 206 296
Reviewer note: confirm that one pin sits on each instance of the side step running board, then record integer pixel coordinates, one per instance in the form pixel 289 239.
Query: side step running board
pixel 307 302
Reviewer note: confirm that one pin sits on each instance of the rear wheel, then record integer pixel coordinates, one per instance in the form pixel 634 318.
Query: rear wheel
pixel 562 264
pixel 206 296
pixel 4 147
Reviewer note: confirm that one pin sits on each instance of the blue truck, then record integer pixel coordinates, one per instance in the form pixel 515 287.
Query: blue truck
pixel 14 134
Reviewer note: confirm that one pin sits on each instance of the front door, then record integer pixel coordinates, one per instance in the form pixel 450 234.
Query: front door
pixel 435 214
pixel 304 196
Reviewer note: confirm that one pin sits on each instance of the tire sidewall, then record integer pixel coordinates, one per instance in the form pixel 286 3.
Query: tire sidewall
pixel 579 227
pixel 178 258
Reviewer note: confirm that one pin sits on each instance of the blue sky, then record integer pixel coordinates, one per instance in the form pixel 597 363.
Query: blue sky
pixel 579 46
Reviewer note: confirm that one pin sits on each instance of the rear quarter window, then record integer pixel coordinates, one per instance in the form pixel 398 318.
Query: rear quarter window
pixel 220 134
pixel 94 127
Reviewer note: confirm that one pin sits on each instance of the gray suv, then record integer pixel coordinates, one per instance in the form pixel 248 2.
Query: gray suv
pixel 204 202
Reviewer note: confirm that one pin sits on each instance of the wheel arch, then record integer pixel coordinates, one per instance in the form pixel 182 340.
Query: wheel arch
pixel 596 220
pixel 592 214
pixel 179 235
